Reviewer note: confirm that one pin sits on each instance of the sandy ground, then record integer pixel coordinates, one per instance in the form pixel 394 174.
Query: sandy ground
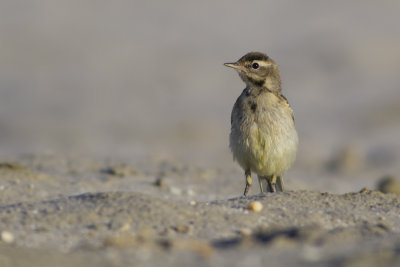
pixel 114 124
pixel 77 212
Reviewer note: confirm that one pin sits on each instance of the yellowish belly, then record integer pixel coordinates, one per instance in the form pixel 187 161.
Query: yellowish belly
pixel 264 150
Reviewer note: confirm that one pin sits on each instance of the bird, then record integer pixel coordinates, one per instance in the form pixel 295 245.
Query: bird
pixel 263 137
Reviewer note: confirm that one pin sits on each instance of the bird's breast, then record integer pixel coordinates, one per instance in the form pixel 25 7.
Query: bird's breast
pixel 263 136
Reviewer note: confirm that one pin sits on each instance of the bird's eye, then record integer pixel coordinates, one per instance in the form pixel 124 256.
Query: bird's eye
pixel 255 66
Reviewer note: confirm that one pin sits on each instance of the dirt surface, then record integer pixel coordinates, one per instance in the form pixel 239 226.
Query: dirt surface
pixel 77 212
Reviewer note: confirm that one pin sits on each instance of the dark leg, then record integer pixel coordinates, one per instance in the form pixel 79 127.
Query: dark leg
pixel 247 173
pixel 271 183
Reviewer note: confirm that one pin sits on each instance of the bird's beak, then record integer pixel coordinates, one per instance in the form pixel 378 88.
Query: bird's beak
pixel 234 65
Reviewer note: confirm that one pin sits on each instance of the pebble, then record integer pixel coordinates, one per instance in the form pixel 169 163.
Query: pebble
pixel 389 184
pixel 175 190
pixel 159 182
pixel 245 231
pixel 125 227
pixel 183 229
pixel 7 237
pixel 120 170
pixel 189 192
pixel 255 206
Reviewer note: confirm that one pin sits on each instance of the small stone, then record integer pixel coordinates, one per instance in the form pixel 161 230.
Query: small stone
pixel 165 243
pixel 389 184
pixel 120 170
pixel 7 237
pixel 167 232
pixel 192 203
pixel 245 231
pixel 175 190
pixel 189 192
pixel 159 182
pixel 255 206
pixel 183 229
pixel 364 190
pixel 125 227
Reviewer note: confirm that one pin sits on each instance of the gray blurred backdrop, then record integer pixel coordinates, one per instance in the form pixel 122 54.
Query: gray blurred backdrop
pixel 129 79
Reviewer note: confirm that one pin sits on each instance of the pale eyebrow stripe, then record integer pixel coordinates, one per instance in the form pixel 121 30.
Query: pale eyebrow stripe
pixel 262 63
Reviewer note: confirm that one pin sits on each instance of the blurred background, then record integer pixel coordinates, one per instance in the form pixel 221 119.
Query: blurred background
pixel 138 79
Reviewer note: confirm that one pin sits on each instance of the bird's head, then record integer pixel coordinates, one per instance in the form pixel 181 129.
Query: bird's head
pixel 258 70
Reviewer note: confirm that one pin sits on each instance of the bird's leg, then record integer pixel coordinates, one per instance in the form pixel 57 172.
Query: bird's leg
pixel 268 183
pixel 280 186
pixel 260 181
pixel 247 173
pixel 271 183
